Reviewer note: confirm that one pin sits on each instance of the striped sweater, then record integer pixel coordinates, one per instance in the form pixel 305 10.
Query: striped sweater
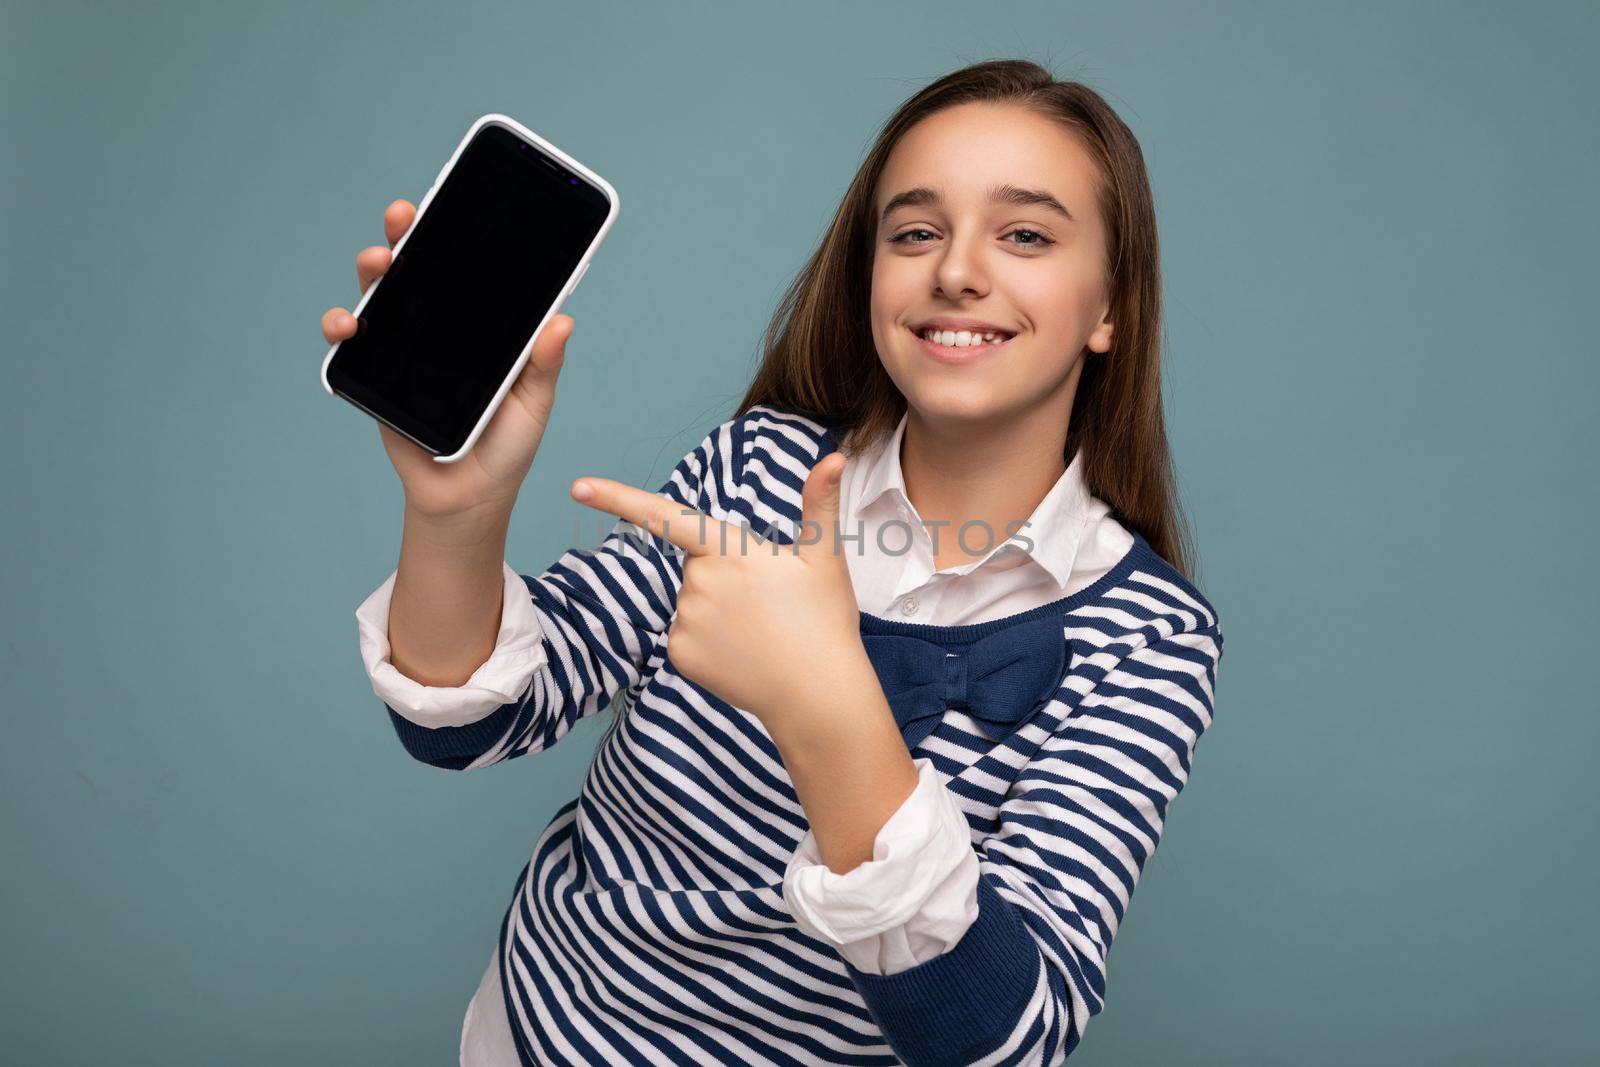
pixel 649 926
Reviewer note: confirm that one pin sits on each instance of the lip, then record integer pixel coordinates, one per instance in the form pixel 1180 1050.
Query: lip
pixel 959 355
pixel 944 322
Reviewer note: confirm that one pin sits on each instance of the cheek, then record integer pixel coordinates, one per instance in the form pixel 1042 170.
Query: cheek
pixel 896 282
pixel 883 308
pixel 1058 303
pixel 897 288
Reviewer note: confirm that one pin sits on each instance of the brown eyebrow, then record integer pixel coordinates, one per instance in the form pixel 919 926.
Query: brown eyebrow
pixel 998 194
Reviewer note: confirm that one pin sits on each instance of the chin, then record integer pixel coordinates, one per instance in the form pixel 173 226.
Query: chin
pixel 967 401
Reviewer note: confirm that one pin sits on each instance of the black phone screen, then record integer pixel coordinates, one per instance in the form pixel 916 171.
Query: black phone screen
pixel 479 270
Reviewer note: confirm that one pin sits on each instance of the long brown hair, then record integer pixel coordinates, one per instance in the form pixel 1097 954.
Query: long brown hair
pixel 818 354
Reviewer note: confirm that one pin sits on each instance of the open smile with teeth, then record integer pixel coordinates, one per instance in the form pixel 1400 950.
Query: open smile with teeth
pixel 965 338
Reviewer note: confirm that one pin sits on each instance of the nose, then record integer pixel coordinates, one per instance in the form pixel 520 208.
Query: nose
pixel 960 270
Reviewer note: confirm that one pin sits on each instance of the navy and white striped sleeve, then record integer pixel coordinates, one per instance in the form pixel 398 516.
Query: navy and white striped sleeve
pixel 597 615
pixel 1058 871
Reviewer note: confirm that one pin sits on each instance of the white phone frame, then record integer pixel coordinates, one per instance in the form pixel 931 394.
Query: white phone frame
pixel 495 119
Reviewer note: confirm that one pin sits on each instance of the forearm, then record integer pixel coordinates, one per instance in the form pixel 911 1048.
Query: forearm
pixel 849 765
pixel 446 607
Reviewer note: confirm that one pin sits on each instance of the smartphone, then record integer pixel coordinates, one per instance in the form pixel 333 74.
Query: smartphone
pixel 499 241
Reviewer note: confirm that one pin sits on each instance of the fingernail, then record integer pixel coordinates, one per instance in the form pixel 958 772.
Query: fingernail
pixel 582 490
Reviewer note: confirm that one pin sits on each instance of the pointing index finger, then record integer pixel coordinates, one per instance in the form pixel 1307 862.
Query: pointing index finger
pixel 690 529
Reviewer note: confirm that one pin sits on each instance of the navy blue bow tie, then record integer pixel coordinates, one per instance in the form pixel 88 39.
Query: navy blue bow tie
pixel 999 680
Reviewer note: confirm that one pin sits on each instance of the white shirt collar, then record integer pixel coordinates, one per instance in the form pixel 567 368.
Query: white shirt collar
pixel 1055 527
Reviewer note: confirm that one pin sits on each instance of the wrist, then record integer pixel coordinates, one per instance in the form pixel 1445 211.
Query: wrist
pixel 478 528
pixel 844 706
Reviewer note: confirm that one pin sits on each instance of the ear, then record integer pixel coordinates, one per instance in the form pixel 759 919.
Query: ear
pixel 1099 340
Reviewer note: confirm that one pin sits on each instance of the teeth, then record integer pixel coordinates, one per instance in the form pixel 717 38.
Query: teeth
pixel 962 338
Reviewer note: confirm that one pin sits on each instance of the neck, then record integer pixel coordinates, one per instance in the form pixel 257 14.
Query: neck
pixel 994 470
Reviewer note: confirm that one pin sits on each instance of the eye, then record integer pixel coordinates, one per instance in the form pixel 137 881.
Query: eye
pixel 1041 241
pixel 1037 239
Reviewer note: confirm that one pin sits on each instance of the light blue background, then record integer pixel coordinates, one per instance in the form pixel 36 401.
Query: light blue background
pixel 1378 227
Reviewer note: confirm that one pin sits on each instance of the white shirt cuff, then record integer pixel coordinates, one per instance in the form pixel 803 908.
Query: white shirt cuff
pixel 912 901
pixel 518 653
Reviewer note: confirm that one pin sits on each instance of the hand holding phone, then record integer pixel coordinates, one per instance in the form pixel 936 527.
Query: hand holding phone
pixel 505 449
pixel 475 273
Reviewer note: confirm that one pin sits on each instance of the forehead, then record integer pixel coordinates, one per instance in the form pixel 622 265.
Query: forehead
pixel 963 150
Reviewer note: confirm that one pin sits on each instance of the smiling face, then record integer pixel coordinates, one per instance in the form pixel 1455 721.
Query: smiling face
pixel 946 251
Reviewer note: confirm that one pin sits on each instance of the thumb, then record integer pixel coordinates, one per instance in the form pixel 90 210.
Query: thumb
pixel 819 508
pixel 549 348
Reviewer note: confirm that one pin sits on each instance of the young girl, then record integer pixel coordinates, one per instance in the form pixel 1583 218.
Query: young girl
pixel 909 664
